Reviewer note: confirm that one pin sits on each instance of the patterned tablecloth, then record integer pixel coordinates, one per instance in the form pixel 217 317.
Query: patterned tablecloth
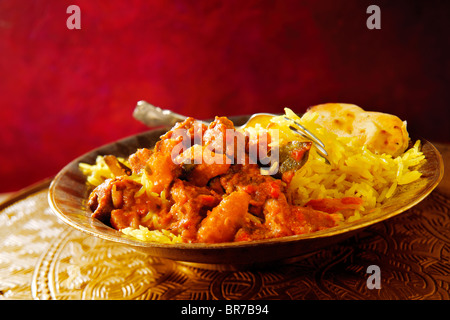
pixel 42 258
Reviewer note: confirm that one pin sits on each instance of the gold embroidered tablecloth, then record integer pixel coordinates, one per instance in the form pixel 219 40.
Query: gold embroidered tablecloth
pixel 42 258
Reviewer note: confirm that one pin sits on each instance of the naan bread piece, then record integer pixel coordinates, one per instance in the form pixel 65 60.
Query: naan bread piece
pixel 380 132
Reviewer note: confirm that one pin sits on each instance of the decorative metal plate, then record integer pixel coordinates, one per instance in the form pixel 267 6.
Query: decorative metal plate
pixel 69 192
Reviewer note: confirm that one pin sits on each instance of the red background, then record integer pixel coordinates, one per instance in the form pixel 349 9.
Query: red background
pixel 64 92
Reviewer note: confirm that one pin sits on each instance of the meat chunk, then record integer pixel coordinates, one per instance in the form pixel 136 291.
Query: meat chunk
pixel 160 168
pixel 112 194
pixel 306 220
pixel 282 219
pixel 203 172
pixel 190 204
pixel 223 222
pixel 139 159
pixel 247 178
pixel 216 138
pixel 277 213
pixel 201 165
pixel 100 201
pixel 189 128
pixel 121 219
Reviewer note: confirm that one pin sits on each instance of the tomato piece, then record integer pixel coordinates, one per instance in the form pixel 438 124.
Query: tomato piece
pixel 275 190
pixel 335 205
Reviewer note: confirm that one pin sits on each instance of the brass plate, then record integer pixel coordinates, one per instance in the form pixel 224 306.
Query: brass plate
pixel 68 193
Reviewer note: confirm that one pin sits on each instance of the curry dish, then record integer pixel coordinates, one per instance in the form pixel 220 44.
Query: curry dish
pixel 232 200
